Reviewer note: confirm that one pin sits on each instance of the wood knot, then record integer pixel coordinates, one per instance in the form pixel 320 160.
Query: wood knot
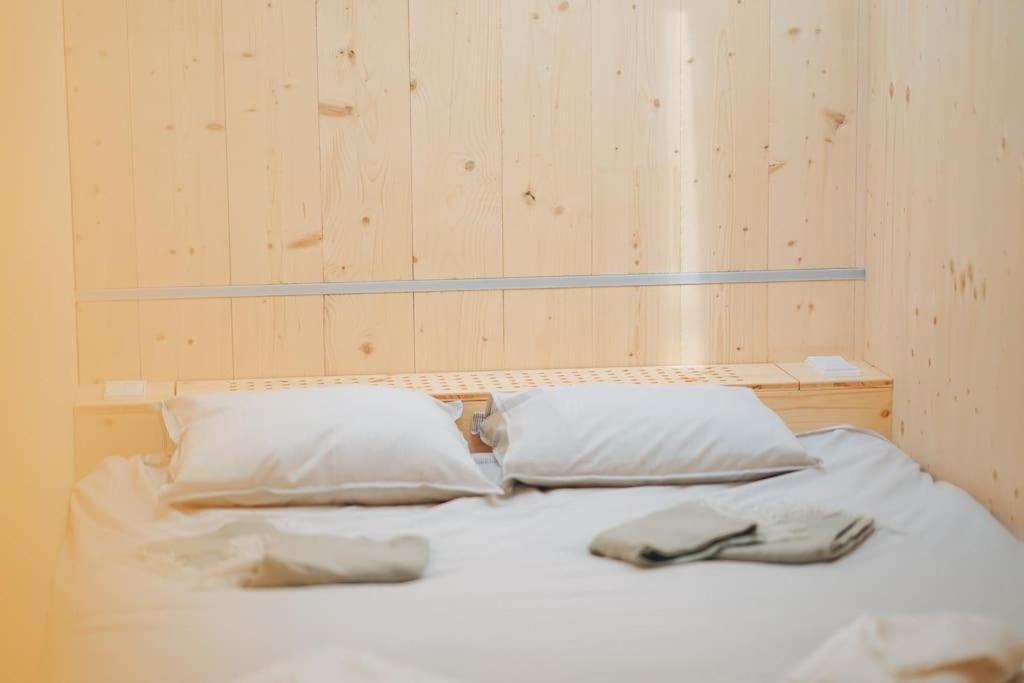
pixel 469 165
pixel 306 242
pixel 837 117
pixel 366 348
pixel 336 110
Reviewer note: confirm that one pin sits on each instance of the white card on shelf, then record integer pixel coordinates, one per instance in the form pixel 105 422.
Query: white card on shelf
pixel 833 366
pixel 124 390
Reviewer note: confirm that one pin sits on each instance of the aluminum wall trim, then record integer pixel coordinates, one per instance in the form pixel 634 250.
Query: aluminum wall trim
pixel 473 284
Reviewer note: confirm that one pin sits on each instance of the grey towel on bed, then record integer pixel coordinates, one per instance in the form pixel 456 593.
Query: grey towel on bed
pixel 805 538
pixel 697 531
pixel 258 555
pixel 684 533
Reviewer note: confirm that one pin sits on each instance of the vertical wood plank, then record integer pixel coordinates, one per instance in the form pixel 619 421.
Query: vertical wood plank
pixel 614 326
pixel 813 123
pixel 99 109
pixel 725 323
pixel 546 115
pixel 278 336
pixel 459 331
pixel 636 136
pixel 369 333
pixel 637 326
pixel 864 58
pixel 108 341
pixel 178 142
pixel 364 139
pixel 270 71
pixel 886 189
pixel 456 124
pixel 725 139
pixel 188 339
pixel 810 318
pixel 549 328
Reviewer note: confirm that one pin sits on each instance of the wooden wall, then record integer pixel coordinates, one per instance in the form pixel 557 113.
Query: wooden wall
pixel 945 237
pixel 37 326
pixel 223 142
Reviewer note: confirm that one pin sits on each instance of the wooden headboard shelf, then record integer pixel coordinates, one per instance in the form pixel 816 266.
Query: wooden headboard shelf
pixel 475 386
pixel 804 400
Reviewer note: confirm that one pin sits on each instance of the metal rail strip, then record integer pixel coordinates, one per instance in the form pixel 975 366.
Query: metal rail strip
pixel 472 284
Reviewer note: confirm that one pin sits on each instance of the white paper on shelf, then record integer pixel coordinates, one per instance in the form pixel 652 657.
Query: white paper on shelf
pixel 124 390
pixel 833 366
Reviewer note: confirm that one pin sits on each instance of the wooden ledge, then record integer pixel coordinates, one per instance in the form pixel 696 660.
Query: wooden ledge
pixel 90 397
pixel 809 379
pixel 476 386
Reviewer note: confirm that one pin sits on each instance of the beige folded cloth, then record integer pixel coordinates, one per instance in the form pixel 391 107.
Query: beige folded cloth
pixel 925 648
pixel 803 539
pixel 684 533
pixel 258 555
pixel 699 531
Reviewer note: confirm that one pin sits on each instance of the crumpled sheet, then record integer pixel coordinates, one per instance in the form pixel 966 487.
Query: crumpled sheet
pixel 255 554
pixel 925 648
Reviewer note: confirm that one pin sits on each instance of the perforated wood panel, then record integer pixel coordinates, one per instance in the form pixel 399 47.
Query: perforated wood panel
pixel 476 385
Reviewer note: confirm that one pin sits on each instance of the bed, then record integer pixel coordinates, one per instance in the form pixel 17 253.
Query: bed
pixel 511 593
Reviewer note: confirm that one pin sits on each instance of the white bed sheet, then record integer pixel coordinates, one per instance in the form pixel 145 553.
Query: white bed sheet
pixel 511 594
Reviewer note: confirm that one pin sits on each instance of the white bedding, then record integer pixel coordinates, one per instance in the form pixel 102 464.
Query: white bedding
pixel 511 594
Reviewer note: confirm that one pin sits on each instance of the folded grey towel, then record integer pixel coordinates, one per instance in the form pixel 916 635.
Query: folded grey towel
pixel 257 555
pixel 805 538
pixel 684 533
pixel 697 531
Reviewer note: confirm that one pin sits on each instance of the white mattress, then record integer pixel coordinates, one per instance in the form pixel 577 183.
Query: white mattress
pixel 511 593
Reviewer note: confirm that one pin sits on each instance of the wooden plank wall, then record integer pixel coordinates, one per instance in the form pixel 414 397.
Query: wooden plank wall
pixel 37 334
pixel 228 141
pixel 945 237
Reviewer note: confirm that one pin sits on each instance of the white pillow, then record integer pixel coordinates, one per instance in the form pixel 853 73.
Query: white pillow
pixel 351 444
pixel 624 435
